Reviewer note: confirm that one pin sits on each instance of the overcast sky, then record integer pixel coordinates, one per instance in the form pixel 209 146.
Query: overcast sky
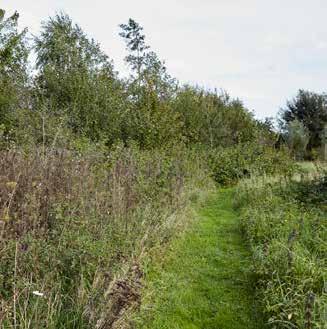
pixel 261 51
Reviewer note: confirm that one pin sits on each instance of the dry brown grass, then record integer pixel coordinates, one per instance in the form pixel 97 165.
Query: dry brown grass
pixel 75 227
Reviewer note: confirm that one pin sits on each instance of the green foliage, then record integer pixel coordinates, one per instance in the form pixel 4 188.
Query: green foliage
pixel 135 43
pixel 213 119
pixel 311 110
pixel 311 192
pixel 284 222
pixel 75 92
pixel 297 138
pixel 151 121
pixel 13 70
pixel 229 165
pixel 76 80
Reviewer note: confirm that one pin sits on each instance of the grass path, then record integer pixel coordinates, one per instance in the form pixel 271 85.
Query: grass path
pixel 204 281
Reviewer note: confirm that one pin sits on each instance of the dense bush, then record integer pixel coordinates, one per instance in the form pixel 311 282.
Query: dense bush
pixel 229 165
pixel 311 192
pixel 287 234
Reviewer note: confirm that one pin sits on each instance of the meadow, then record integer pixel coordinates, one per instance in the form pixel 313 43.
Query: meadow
pixel 140 202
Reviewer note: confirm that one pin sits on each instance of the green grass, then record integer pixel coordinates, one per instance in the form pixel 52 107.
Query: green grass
pixel 205 280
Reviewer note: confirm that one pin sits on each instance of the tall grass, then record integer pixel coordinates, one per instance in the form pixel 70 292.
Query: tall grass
pixel 74 229
pixel 284 220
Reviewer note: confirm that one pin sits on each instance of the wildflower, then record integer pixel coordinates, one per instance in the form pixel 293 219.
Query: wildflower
pixel 38 293
pixel 5 216
pixel 11 185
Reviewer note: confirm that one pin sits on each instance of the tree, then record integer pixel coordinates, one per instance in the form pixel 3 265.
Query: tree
pixel 13 69
pixel 266 132
pixel 152 120
pixel 135 43
pixel 76 80
pixel 297 138
pixel 213 119
pixel 63 45
pixel 311 110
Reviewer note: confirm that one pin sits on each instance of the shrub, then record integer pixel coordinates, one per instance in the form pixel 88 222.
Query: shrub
pixel 229 165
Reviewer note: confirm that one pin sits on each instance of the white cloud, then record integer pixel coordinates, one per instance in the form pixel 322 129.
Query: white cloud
pixel 321 45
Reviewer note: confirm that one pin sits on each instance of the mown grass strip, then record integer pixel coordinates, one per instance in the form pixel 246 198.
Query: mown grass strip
pixel 204 282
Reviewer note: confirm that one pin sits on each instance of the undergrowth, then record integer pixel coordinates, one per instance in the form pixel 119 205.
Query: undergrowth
pixel 230 165
pixel 75 227
pixel 285 222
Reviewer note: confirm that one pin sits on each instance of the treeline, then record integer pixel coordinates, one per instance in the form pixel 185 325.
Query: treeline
pixel 72 92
